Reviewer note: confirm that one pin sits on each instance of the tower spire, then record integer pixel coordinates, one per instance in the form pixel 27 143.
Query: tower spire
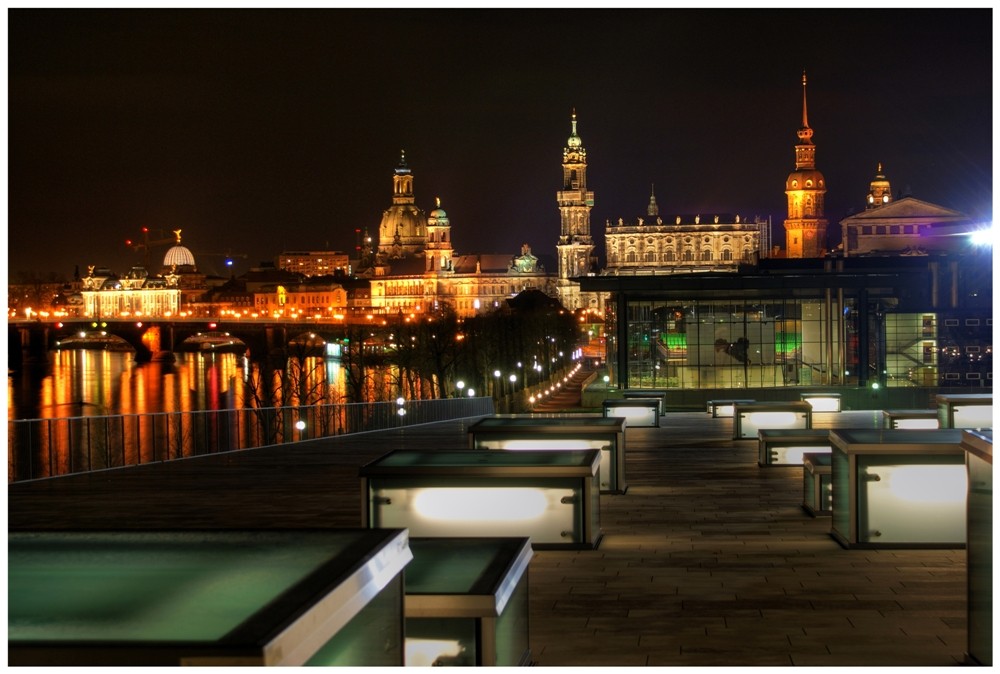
pixel 805 133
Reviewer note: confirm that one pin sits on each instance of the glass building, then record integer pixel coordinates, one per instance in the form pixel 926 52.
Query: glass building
pixel 920 321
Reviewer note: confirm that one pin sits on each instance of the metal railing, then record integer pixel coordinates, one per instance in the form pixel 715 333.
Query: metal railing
pixel 41 448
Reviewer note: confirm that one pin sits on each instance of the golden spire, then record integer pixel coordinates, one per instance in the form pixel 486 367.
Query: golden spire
pixel 805 118
pixel 177 233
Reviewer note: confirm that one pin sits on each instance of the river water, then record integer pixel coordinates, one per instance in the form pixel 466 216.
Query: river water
pixel 96 383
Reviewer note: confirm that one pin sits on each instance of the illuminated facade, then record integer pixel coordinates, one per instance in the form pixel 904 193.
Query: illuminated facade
pixel 301 300
pixel 314 262
pixel 688 243
pixel 414 267
pixel 135 294
pixel 805 228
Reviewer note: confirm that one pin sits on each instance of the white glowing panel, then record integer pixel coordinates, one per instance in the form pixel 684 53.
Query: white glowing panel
pixel 428 652
pixel 636 416
pixel 792 455
pixel 546 515
pixel 823 403
pixel 973 416
pixel 912 503
pixel 608 469
pixel 750 422
pixel 915 423
pixel 724 410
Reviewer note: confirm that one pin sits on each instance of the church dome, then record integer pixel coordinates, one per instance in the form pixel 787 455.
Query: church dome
pixel 178 256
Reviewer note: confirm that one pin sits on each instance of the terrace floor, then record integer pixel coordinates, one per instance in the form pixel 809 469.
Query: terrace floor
pixel 707 560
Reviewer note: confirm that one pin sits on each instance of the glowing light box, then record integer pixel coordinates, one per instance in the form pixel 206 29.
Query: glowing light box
pixel 658 393
pixel 750 418
pixel 822 402
pixel 785 447
pixel 549 496
pixel 641 412
pixel 467 602
pixel 573 432
pixel 226 598
pixel 817 485
pixel 898 488
pixel 965 411
pixel 724 408
pixel 910 419
pixel 978 448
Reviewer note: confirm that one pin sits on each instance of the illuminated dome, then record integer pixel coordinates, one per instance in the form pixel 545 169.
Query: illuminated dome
pixel 178 256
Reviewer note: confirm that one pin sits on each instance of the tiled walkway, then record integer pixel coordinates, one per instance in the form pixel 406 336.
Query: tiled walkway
pixel 707 560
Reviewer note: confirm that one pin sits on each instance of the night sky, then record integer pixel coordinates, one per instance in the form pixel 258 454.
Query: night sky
pixel 257 131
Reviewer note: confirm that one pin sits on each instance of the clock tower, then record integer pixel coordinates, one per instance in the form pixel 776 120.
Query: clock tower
pixel 575 201
pixel 805 228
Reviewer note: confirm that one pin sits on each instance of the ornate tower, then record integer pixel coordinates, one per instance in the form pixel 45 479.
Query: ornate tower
pixel 439 250
pixel 403 230
pixel 879 192
pixel 575 201
pixel 805 228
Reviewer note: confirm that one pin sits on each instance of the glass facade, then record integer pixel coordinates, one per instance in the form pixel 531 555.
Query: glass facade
pixel 743 344
pixel 733 344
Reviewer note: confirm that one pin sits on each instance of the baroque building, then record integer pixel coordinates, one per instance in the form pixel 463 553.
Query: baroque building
pixel 575 245
pixel 683 243
pixel 414 267
pixel 805 227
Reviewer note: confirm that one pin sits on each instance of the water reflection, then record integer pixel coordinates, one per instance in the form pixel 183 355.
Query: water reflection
pixel 96 383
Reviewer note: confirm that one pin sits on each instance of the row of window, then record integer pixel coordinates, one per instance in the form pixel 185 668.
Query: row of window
pixel 686 256
pixel 882 230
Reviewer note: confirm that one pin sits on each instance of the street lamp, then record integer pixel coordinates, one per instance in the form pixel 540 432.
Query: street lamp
pixel 513 379
pixel 460 385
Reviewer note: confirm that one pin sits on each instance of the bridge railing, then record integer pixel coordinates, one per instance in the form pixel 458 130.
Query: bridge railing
pixel 41 448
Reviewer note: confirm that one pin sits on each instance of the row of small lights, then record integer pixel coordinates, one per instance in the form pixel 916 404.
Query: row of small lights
pixel 554 388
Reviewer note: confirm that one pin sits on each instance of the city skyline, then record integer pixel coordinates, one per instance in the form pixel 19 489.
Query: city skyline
pixel 257 131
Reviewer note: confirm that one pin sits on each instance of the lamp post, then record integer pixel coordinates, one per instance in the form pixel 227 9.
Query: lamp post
pixel 460 385
pixel 496 384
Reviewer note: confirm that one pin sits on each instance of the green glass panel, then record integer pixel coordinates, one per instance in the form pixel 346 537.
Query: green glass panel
pixel 450 566
pixel 151 586
pixel 372 638
pixel 512 628
pixel 499 459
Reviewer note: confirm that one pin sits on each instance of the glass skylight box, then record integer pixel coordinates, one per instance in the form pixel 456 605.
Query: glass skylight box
pixel 978 447
pixel 749 418
pixel 910 419
pixel 222 598
pixel 467 602
pixel 822 402
pixel 785 447
pixel 549 496
pixel 901 488
pixel 575 432
pixel 725 408
pixel 640 412
pixel 817 484
pixel 965 411
pixel 658 393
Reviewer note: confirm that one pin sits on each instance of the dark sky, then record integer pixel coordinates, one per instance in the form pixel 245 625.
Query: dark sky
pixel 261 130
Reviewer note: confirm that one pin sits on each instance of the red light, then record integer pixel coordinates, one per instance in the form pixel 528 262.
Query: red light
pixel 145 229
pixel 128 242
pixel 138 324
pixel 211 325
pixel 59 324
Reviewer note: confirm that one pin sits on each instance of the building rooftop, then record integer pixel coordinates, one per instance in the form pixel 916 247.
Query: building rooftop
pixel 707 560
